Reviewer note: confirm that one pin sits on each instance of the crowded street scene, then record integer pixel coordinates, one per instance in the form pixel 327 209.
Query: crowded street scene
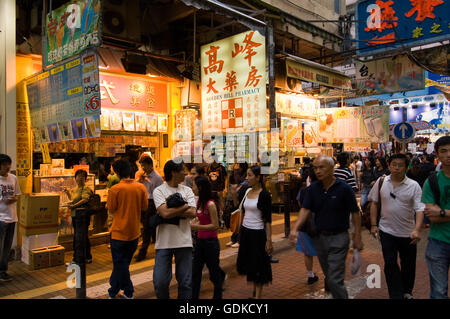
pixel 247 151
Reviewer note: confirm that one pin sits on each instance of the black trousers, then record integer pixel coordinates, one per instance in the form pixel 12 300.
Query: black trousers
pixel 77 240
pixel 148 234
pixel 207 251
pixel 400 278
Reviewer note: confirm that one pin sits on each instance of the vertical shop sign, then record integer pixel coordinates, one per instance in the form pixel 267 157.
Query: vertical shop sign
pixel 234 83
pixel 70 29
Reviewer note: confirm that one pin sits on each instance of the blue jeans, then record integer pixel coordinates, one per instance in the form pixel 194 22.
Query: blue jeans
pixel 122 254
pixel 162 272
pixel 438 261
pixel 6 239
pixel 364 196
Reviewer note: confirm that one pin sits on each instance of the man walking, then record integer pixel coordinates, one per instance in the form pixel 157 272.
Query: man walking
pixel 174 239
pixel 9 194
pixel 150 179
pixel 343 172
pixel 436 196
pixel 332 200
pixel 399 198
pixel 126 201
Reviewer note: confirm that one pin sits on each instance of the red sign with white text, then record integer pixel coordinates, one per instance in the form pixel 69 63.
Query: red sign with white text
pixel 133 93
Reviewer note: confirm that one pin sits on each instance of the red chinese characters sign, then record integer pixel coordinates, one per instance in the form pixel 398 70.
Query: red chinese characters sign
pixel 132 93
pixel 234 83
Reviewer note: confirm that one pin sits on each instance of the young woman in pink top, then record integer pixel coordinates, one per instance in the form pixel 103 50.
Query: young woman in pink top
pixel 207 247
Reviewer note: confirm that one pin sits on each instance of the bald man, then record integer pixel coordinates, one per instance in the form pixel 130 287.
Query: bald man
pixel 333 201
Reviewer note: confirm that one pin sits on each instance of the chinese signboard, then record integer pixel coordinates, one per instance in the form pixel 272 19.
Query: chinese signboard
pixel 354 125
pixel 388 76
pixel 64 101
pixel 70 29
pixel 133 93
pixel 390 24
pixel 23 146
pixel 306 73
pixel 184 124
pixel 301 106
pixel 234 83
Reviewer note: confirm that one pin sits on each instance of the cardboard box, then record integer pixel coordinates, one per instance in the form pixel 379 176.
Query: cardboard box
pixel 38 214
pixel 39 241
pixel 39 258
pixel 56 255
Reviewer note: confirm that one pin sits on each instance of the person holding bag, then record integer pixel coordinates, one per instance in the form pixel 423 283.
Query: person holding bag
pixel 256 233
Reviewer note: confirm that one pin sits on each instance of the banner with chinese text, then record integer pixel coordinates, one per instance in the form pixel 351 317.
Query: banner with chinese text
pixel 234 83
pixel 392 24
pixel 70 29
pixel 133 93
pixel 64 100
pixel 388 75
pixel 301 106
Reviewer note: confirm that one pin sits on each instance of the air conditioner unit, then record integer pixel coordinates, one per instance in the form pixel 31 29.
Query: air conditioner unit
pixel 121 19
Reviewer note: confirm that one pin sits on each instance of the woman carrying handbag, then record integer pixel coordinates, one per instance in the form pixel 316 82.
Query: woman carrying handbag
pixel 256 233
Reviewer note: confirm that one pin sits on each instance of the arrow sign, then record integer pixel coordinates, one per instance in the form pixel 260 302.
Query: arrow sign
pixel 404 132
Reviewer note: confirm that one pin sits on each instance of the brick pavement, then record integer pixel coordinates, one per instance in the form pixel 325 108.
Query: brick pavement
pixel 289 275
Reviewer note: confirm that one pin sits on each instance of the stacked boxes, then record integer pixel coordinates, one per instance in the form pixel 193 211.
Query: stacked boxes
pixel 38 214
pixel 46 257
pixel 36 241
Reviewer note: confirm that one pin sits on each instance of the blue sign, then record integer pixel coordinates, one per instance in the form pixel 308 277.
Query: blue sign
pixel 391 24
pixel 404 131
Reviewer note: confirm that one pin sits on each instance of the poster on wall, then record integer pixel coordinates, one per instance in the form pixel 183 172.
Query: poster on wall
pixel 163 123
pixel 388 75
pixel 70 29
pixel 184 124
pixel 311 134
pixel 234 83
pixel 294 133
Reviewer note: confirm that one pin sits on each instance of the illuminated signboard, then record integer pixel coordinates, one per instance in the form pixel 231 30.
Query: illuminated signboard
pixel 391 24
pixel 234 83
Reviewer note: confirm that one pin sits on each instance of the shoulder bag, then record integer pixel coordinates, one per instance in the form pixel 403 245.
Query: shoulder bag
pixel 237 216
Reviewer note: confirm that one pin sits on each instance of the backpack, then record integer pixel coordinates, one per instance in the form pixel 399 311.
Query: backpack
pixel 94 203
pixel 434 186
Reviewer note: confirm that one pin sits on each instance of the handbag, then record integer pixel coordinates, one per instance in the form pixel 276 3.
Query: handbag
pixel 237 216
pixel 173 201
pixel 309 227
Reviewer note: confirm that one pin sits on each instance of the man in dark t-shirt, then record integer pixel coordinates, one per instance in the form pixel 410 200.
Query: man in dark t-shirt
pixel 333 201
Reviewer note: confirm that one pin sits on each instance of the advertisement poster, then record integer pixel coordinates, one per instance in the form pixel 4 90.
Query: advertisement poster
pixel 66 91
pixel 234 83
pixel 294 133
pixel 388 75
pixel 70 29
pixel 23 142
pixel 311 130
pixel 302 106
pixel 140 122
pixel 163 123
pixel 354 124
pixel 152 122
pixel 184 124
pixel 393 24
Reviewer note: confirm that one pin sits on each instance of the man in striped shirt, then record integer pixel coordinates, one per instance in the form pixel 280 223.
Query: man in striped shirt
pixel 343 172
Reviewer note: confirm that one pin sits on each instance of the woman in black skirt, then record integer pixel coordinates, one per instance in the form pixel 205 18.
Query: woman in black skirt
pixel 256 233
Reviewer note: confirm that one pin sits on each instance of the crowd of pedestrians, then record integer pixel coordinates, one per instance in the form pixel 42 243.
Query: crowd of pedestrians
pixel 182 213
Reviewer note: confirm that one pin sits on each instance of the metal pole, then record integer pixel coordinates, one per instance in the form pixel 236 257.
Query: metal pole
pixel 287 210
pixel 80 249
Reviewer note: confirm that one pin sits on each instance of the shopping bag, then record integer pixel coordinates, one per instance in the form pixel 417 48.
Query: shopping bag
pixel 237 216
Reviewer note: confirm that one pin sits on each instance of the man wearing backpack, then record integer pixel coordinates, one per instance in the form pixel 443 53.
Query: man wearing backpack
pixel 399 197
pixel 436 196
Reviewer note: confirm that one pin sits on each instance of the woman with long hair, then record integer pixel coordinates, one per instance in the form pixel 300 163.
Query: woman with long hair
pixel 381 168
pixel 207 246
pixel 256 233
pixel 367 177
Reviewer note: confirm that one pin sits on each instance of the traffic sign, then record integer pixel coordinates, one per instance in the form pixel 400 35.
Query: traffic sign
pixel 404 132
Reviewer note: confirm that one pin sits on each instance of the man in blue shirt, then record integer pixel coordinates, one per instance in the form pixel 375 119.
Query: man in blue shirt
pixel 332 200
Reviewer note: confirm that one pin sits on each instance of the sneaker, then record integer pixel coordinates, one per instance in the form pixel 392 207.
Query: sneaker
pixel 273 260
pixel 88 261
pixel 5 277
pixel 72 262
pixel 235 245
pixel 407 296
pixel 139 257
pixel 229 244
pixel 312 280
pixel 124 296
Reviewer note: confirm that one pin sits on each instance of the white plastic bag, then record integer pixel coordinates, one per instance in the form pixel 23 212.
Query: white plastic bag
pixel 355 262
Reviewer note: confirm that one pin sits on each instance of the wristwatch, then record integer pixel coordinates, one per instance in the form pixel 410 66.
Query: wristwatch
pixel 442 212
